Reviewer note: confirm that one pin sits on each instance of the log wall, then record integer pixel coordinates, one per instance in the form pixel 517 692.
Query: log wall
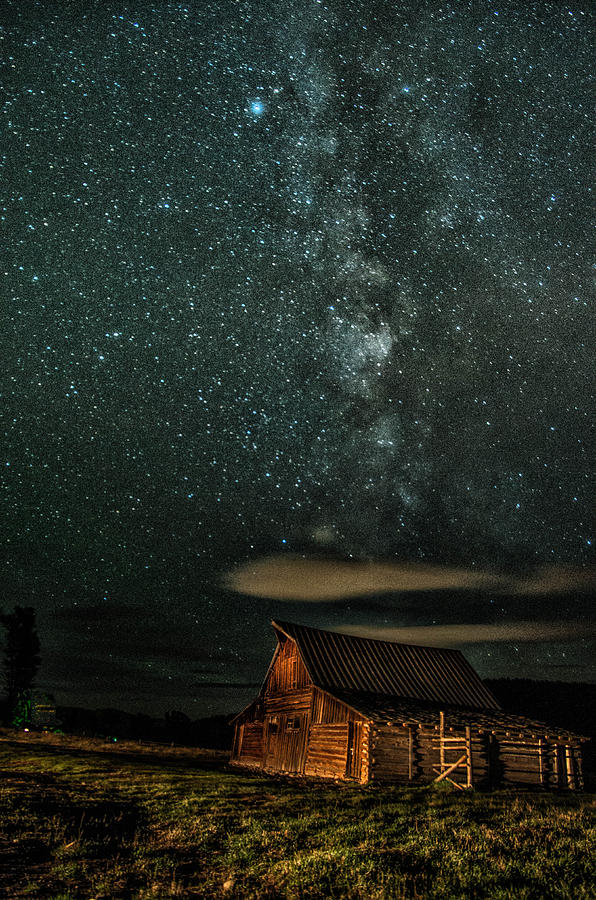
pixel 453 750
pixel 520 762
pixel 389 751
pixel 403 754
pixel 552 765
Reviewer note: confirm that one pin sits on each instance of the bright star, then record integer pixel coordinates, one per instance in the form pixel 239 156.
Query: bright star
pixel 257 107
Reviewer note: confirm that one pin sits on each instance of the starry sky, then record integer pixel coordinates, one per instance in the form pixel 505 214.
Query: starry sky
pixel 304 277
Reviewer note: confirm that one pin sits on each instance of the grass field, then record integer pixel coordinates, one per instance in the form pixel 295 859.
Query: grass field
pixel 89 820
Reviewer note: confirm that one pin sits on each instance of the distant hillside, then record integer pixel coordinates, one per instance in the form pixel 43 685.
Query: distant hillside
pixel 176 728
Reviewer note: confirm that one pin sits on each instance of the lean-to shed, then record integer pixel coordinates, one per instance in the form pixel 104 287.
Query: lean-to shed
pixel 335 705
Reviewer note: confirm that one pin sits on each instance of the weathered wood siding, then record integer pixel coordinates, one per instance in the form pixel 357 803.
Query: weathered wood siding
pixel 288 672
pixel 540 762
pixel 287 700
pixel 305 730
pixel 356 742
pixel 345 755
pixel 410 754
pixel 402 754
pixel 250 744
pixel 427 758
pixel 297 702
pixel 287 720
pixel 327 750
pixel 388 753
pixel 327 710
pixel 285 743
pixel 520 762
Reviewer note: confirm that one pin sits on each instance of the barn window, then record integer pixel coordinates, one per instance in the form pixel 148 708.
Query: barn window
pixel 273 726
pixel 293 723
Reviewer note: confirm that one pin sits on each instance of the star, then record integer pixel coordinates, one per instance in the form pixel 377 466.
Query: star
pixel 327 288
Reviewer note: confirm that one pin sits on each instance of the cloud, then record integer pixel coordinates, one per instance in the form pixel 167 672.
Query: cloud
pixel 290 577
pixel 554 580
pixel 458 635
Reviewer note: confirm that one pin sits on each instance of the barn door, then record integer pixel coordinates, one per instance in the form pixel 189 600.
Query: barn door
pixel 294 745
pixel 285 746
pixel 271 743
pixel 354 758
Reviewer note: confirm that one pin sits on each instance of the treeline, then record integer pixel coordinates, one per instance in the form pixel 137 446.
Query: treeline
pixel 23 707
pixel 175 728
pixel 567 704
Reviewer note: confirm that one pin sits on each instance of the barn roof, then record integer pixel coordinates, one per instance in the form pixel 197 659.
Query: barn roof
pixel 416 712
pixel 346 662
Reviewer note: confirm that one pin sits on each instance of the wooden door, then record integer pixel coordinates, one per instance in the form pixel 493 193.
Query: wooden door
pixel 270 756
pixel 354 757
pixel 285 747
pixel 294 745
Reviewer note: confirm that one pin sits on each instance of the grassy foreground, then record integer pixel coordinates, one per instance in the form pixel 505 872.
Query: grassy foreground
pixel 79 819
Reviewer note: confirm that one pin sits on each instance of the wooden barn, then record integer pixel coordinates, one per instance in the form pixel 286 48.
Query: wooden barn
pixel 340 706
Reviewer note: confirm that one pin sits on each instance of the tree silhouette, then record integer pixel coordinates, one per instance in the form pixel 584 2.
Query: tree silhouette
pixel 21 653
pixel 177 725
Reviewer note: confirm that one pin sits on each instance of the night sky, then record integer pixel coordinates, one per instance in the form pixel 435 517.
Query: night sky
pixel 297 278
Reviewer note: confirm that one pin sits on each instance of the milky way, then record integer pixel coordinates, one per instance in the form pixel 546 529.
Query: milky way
pixel 285 276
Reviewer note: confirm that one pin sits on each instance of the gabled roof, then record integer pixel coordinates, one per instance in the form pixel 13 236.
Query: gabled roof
pixel 346 662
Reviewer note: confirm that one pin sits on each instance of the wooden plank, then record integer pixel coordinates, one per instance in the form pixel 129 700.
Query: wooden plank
pixel 468 757
pixel 354 751
pixel 298 701
pixel 365 770
pixel 512 766
pixel 251 746
pixel 569 768
pixel 287 672
pixel 239 728
pixel 520 778
pixel 523 745
pixel 391 749
pixel 326 753
pixel 556 773
pixel 327 710
pixel 445 772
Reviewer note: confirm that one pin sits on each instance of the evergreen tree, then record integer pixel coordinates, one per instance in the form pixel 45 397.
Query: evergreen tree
pixel 21 654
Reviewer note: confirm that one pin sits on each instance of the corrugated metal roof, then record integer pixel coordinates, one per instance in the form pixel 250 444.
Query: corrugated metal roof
pixel 412 712
pixel 337 661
